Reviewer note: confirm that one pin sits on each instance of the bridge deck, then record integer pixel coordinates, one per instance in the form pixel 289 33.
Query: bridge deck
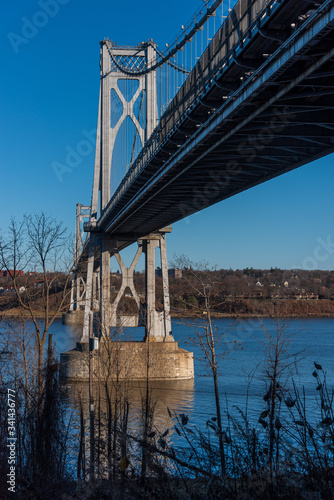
pixel 263 109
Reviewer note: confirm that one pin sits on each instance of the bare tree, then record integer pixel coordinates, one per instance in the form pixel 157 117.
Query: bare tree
pixel 280 364
pixel 38 242
pixel 201 280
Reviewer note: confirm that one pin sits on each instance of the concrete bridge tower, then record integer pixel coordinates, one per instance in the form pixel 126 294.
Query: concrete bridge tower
pixel 114 62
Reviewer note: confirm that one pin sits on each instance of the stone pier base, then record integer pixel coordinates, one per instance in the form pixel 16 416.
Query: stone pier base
pixel 128 361
pixel 73 317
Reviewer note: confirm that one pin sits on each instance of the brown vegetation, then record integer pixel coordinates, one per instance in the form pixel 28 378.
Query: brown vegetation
pixel 247 292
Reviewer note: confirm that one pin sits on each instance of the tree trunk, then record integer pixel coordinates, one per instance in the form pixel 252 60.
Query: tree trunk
pixel 217 400
pixel 40 370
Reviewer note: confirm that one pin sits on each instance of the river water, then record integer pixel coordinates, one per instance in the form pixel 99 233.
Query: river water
pixel 242 356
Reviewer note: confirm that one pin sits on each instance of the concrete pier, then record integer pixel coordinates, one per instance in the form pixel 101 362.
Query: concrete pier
pixel 128 361
pixel 158 355
pixel 73 317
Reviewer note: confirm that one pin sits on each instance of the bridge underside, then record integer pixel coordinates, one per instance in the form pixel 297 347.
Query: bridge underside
pixel 249 126
pixel 258 103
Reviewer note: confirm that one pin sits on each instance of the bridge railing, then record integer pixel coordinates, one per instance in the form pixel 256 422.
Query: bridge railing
pixel 236 31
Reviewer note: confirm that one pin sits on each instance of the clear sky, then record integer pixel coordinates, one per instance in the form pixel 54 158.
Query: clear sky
pixel 49 98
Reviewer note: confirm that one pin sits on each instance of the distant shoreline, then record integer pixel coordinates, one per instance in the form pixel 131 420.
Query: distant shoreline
pixel 246 316
pixel 14 314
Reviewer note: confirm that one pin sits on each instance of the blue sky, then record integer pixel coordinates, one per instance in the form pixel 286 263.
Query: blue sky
pixel 48 102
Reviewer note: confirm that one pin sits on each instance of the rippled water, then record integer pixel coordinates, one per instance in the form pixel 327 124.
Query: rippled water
pixel 196 398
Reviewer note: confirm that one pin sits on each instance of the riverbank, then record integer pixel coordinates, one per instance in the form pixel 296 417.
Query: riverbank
pixel 17 313
pixel 188 314
pixel 265 308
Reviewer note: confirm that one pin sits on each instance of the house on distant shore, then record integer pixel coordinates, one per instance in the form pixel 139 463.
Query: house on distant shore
pixel 172 273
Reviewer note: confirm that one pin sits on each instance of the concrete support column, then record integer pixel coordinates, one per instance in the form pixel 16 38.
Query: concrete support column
pixel 89 288
pixel 105 307
pixel 127 281
pixel 150 246
pixel 78 295
pixel 105 128
pixel 78 238
pixel 72 295
pixel 165 286
pixel 158 324
pixel 96 290
pixel 151 93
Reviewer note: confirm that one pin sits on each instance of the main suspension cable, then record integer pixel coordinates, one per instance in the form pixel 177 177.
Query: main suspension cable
pixel 187 36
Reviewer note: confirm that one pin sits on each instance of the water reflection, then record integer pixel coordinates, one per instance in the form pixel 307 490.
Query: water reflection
pixel 178 396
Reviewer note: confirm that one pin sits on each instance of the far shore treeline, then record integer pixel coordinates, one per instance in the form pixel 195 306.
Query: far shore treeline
pixel 246 292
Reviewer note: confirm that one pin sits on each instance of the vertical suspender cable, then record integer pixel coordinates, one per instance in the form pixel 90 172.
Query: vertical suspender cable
pixel 174 76
pixel 202 39
pixel 207 31
pixel 167 71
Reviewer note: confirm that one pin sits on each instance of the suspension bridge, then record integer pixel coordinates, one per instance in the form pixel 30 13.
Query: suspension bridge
pixel 242 94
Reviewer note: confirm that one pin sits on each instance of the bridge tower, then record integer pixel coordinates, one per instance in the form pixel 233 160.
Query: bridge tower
pixel 114 61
